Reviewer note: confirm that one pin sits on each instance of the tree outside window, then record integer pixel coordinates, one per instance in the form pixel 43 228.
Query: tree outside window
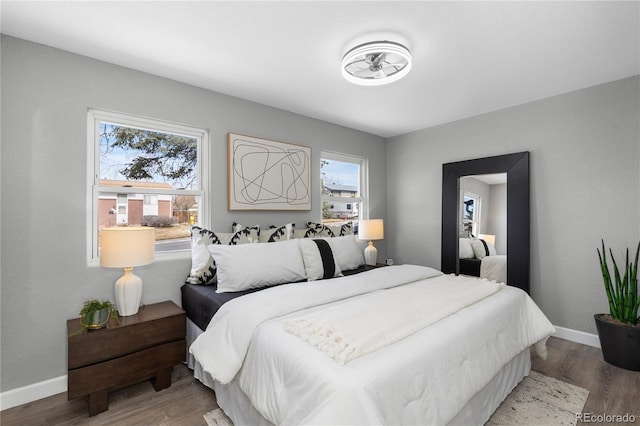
pixel 150 173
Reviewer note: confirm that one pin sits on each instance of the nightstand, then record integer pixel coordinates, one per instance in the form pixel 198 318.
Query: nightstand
pixel 143 346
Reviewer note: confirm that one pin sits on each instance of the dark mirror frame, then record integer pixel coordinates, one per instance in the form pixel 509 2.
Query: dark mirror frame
pixel 516 166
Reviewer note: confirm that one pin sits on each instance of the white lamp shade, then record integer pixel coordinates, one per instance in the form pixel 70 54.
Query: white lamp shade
pixel 371 229
pixel 127 246
pixel 488 238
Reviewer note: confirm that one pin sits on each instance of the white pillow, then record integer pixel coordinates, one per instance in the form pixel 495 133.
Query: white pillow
pixel 246 266
pixel 346 251
pixel 319 260
pixel 482 248
pixel 465 249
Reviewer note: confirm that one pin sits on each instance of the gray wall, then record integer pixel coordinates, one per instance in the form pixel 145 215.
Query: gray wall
pixel 45 97
pixel 497 223
pixel 585 185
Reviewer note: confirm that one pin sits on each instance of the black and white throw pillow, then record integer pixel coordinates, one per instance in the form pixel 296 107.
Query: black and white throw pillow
pixel 276 233
pixel 482 248
pixel 319 260
pixel 320 229
pixel 203 268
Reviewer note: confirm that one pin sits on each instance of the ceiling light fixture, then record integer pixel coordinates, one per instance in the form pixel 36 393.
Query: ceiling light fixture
pixel 376 63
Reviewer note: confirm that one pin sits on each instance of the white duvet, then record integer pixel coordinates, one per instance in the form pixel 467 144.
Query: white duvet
pixel 424 378
pixel 494 268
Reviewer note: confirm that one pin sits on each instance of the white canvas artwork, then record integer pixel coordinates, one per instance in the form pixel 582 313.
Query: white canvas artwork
pixel 268 175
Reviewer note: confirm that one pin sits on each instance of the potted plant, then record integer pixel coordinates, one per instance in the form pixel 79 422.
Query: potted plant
pixel 95 314
pixel 619 332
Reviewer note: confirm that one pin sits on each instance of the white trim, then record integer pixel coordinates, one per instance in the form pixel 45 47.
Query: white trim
pixel 94 117
pixel 29 393
pixel 363 199
pixel 577 336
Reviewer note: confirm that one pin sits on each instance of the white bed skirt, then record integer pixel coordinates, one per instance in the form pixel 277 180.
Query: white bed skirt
pixel 476 412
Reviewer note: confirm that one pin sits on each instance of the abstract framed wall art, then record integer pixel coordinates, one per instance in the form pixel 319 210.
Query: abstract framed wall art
pixel 267 175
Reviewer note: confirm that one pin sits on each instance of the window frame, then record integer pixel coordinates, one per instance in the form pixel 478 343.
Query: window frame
pixel 477 211
pixel 94 118
pixel 363 199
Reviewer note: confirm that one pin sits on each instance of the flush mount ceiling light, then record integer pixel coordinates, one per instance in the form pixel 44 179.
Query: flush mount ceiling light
pixel 376 63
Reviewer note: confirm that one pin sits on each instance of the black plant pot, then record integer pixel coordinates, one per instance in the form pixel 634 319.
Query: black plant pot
pixel 620 343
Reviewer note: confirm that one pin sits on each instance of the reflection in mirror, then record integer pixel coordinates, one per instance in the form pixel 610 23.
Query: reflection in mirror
pixel 482 209
pixel 485 218
pixel 482 215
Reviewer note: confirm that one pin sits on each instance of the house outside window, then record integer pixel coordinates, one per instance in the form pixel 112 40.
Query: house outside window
pixel 145 172
pixel 344 187
pixel 470 213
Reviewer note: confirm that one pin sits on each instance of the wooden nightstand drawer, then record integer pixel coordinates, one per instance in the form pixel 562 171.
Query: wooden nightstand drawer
pixel 126 370
pixel 143 346
pixel 128 337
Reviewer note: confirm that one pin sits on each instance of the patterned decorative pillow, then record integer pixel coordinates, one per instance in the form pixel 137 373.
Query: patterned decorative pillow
pixel 276 233
pixel 342 229
pixel 238 227
pixel 320 229
pixel 203 268
pixel 245 236
pixel 304 233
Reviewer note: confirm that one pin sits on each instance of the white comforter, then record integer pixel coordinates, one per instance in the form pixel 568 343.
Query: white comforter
pixel 494 268
pixel 424 378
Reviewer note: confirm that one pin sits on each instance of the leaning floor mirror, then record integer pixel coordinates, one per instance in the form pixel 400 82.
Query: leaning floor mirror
pixel 458 221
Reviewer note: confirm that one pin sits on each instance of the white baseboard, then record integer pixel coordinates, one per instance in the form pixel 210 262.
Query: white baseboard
pixel 577 336
pixel 56 385
pixel 29 393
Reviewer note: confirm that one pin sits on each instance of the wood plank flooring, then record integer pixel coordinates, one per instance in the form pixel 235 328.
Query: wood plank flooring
pixel 182 404
pixel 611 391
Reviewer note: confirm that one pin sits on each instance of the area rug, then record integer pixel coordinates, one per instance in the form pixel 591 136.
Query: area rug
pixel 217 417
pixel 537 400
pixel 540 400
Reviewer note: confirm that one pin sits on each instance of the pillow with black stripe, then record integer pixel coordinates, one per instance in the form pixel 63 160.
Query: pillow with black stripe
pixel 319 261
pixel 482 248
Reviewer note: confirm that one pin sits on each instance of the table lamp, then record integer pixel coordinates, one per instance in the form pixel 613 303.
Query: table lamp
pixel 488 238
pixel 371 229
pixel 126 247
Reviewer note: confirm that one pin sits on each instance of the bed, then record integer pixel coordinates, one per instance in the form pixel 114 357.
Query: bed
pixel 478 258
pixel 271 354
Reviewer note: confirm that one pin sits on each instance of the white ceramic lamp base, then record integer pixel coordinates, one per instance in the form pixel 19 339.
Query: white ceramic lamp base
pixel 128 293
pixel 370 254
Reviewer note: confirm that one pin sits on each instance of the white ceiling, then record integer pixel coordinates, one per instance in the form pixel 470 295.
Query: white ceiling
pixel 469 57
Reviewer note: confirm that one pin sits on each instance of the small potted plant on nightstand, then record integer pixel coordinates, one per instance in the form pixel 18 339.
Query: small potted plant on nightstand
pixel 95 314
pixel 619 332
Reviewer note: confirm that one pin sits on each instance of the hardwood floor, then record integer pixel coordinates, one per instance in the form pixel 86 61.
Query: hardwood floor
pixel 183 404
pixel 611 391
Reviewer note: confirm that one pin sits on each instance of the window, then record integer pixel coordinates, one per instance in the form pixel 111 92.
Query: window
pixel 145 172
pixel 470 213
pixel 344 187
